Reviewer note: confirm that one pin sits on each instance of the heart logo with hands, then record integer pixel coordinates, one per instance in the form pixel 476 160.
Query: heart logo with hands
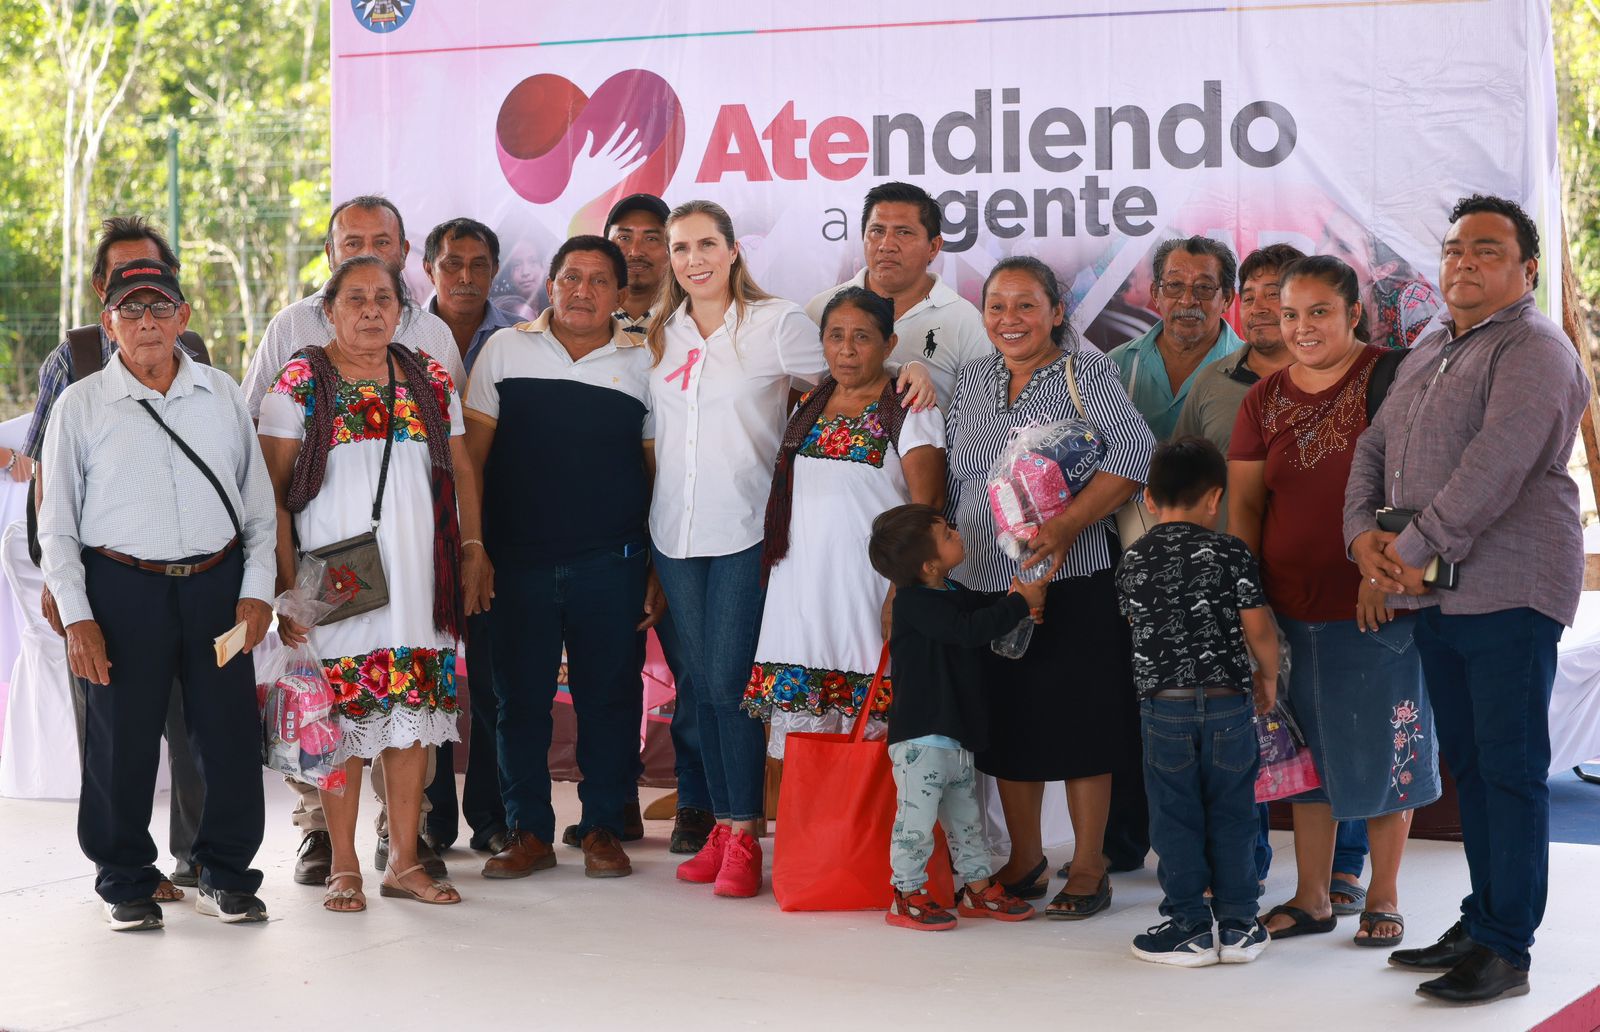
pixel 626 138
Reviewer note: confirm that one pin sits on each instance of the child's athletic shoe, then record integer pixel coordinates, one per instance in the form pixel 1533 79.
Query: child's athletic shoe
pixel 993 902
pixel 1172 944
pixel 919 911
pixel 1240 942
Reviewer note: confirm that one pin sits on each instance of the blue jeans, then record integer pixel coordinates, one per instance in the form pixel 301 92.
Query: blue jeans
pixel 1200 760
pixel 1349 847
pixel 687 764
pixel 592 605
pixel 716 607
pixel 1490 677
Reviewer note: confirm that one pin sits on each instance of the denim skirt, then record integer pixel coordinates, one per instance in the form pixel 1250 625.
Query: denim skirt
pixel 1359 698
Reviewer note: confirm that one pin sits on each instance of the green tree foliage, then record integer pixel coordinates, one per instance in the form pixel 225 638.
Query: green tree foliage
pixel 244 86
pixel 1576 25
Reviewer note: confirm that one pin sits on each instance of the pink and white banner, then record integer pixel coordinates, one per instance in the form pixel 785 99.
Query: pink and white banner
pixel 1080 131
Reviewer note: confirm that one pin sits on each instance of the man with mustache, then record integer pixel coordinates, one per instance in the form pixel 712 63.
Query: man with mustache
pixel 901 236
pixel 573 574
pixel 461 259
pixel 1470 450
pixel 638 225
pixel 368 224
pixel 1191 288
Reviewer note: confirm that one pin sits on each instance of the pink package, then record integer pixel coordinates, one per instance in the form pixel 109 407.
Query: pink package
pixel 1287 778
pixel 1033 492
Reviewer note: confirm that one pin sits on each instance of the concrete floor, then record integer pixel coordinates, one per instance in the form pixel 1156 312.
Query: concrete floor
pixel 558 951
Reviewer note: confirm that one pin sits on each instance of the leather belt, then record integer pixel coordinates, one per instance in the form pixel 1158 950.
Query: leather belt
pixel 171 569
pixel 1191 693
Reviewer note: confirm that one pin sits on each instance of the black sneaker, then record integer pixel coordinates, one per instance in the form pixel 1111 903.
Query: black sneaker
pixel 134 915
pixel 1240 943
pixel 690 829
pixel 1180 947
pixel 230 907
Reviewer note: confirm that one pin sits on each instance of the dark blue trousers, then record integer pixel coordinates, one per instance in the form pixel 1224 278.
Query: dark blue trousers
pixel 158 629
pixel 1489 678
pixel 593 605
pixel 689 767
pixel 481 802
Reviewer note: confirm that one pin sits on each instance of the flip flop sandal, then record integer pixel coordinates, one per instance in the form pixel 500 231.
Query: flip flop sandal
pixel 394 890
pixel 1358 898
pixel 1370 919
pixel 334 895
pixel 1304 923
pixel 166 892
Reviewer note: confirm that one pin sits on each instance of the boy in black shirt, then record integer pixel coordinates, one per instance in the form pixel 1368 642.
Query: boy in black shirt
pixel 1194 598
pixel 938 717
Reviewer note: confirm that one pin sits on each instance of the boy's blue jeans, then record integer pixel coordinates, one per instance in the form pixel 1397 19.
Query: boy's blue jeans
pixel 1200 760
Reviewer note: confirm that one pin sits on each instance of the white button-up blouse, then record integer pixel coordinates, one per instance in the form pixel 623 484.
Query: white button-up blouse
pixel 720 406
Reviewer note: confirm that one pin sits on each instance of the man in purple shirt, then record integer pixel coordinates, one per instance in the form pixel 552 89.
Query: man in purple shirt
pixel 1474 437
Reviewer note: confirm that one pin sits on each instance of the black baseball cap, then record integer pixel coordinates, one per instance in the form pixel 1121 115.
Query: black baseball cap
pixel 637 202
pixel 142 274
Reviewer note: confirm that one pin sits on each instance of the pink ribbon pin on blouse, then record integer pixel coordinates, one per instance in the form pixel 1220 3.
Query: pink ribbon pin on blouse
pixel 685 369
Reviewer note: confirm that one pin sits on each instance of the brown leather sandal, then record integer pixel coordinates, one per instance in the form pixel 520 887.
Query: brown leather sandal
pixel 395 890
pixel 334 895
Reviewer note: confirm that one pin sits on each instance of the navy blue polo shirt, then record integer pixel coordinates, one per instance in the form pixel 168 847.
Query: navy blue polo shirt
pixel 566 475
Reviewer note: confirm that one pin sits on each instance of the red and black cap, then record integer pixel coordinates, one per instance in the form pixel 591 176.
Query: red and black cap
pixel 637 202
pixel 142 274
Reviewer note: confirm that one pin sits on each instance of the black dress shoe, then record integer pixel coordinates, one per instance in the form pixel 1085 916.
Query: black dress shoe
pixel 491 843
pixel 1482 977
pixel 1452 947
pixel 429 860
pixel 315 861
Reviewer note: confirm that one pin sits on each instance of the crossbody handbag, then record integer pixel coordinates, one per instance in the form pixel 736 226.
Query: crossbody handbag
pixel 1133 519
pixel 183 446
pixel 357 562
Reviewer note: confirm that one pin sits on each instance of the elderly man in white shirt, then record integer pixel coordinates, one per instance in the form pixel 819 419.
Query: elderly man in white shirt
pixel 900 237
pixel 368 224
pixel 158 529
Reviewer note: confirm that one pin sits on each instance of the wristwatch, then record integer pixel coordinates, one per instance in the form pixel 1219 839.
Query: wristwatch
pixel 12 462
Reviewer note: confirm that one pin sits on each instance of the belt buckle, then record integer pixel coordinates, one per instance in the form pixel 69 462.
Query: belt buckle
pixel 179 569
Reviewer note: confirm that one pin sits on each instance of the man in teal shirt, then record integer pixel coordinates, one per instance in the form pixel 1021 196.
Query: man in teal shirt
pixel 1192 287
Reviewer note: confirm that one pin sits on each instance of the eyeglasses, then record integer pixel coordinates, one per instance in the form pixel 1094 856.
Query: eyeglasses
pixel 134 311
pixel 1202 291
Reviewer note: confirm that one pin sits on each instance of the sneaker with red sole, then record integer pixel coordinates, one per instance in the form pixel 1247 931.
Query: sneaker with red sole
pixel 919 912
pixel 704 866
pixel 740 876
pixel 993 902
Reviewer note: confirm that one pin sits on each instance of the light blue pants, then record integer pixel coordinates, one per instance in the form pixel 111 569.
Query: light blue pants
pixel 935 785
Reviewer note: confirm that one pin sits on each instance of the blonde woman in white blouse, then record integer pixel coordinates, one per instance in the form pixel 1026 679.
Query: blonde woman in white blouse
pixel 727 355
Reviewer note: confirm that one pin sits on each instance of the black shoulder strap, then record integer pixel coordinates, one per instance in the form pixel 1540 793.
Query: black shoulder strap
pixel 84 343
pixel 196 346
pixel 200 463
pixel 1382 378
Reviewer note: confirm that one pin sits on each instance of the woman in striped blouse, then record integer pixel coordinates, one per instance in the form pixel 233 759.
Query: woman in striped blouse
pixel 1066 710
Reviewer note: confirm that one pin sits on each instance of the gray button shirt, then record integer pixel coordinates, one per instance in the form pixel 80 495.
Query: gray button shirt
pixel 113 478
pixel 1475 434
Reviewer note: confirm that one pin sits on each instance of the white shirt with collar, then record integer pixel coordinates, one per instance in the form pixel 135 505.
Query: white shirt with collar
pixel 943 331
pixel 530 350
pixel 720 405
pixel 304 323
pixel 114 479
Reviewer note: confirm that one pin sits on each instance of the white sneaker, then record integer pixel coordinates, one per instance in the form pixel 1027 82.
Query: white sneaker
pixel 1241 945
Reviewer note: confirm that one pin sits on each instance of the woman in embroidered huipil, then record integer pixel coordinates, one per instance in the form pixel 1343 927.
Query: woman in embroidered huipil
pixel 850 452
pixel 1355 678
pixel 323 427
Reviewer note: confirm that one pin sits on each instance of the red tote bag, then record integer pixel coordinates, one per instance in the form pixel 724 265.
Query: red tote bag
pixel 835 816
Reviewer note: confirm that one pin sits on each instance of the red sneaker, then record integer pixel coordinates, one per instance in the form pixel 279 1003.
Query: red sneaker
pixel 702 868
pixel 920 912
pixel 993 902
pixel 741 866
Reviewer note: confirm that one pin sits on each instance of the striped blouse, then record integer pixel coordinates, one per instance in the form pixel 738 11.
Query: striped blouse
pixel 978 425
